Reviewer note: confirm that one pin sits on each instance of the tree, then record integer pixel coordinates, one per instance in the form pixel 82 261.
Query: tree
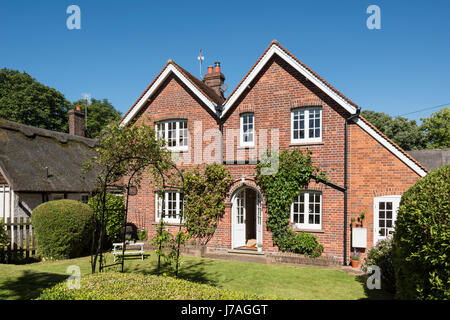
pixel 25 100
pixel 437 129
pixel 99 114
pixel 406 133
pixel 124 153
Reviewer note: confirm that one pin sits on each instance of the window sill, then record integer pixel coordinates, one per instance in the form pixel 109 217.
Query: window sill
pixel 298 144
pixel 296 229
pixel 178 150
pixel 168 224
pixel 246 147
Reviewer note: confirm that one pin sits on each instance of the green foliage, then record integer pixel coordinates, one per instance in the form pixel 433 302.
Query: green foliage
pixel 25 100
pixel 167 247
pixel 381 255
pixel 122 150
pixel 100 114
pixel 142 234
pixel 114 214
pixel 4 241
pixel 294 173
pixel 127 151
pixel 422 239
pixel 132 286
pixel 437 129
pixel 406 133
pixel 63 228
pixel 205 194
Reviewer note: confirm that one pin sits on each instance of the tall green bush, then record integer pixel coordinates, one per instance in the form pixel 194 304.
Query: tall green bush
pixel 63 228
pixel 114 215
pixel 422 239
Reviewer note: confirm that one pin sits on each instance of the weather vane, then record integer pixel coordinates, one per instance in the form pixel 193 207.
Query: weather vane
pixel 200 58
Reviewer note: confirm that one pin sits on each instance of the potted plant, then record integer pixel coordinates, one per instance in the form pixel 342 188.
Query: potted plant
pixel 353 224
pixel 355 259
pixel 259 245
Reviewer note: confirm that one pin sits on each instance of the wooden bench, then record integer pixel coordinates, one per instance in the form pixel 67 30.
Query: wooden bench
pixel 118 248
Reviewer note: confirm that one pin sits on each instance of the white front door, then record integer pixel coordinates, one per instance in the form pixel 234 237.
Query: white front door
pixel 259 219
pixel 239 214
pixel 384 217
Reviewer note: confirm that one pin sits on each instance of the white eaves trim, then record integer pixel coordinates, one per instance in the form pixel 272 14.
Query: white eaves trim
pixel 275 49
pixel 391 148
pixel 169 69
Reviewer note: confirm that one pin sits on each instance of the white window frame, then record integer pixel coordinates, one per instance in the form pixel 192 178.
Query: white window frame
pixel 306 225
pixel 306 138
pixel 158 207
pixel 177 122
pixel 243 143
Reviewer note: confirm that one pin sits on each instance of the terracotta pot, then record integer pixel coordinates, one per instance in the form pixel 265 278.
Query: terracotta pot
pixel 355 263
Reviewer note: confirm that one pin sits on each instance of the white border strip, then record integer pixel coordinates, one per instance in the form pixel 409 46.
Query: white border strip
pixel 275 49
pixel 170 68
pixel 391 148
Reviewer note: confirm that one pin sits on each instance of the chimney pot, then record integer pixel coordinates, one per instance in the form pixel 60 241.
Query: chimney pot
pixel 215 79
pixel 217 67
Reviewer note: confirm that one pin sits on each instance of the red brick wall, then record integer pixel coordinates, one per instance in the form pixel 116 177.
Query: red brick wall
pixel 373 171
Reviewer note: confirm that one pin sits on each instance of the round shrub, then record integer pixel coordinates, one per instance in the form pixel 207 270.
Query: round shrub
pixel 381 255
pixel 422 239
pixel 133 286
pixel 115 210
pixel 63 229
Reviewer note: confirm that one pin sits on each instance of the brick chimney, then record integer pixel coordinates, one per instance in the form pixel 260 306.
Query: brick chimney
pixel 214 79
pixel 76 122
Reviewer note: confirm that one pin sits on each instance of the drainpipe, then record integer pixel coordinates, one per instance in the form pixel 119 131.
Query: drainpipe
pixel 220 122
pixel 356 115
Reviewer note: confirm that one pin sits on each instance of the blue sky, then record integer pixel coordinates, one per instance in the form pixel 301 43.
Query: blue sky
pixel 122 45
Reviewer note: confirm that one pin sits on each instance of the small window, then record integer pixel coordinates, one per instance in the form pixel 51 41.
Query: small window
pixel 173 204
pixel 306 210
pixel 306 125
pixel 84 198
pixel 175 133
pixel 247 129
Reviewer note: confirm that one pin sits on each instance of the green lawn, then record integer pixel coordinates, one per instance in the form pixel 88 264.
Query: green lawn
pixel 286 282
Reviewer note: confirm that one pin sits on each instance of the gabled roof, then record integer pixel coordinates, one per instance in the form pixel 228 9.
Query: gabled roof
pixel 26 151
pixel 212 100
pixel 432 158
pixel 205 93
pixel 276 49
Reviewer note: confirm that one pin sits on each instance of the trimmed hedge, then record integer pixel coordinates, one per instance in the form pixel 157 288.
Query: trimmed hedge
pixel 63 229
pixel 422 239
pixel 133 286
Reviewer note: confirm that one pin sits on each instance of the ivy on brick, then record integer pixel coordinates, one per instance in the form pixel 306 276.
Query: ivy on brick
pixel 205 193
pixel 294 172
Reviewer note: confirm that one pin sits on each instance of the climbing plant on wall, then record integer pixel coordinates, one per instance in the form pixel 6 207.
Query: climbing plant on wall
pixel 205 192
pixel 295 170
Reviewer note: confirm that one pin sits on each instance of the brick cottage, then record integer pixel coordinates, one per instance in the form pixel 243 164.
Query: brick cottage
pixel 279 104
